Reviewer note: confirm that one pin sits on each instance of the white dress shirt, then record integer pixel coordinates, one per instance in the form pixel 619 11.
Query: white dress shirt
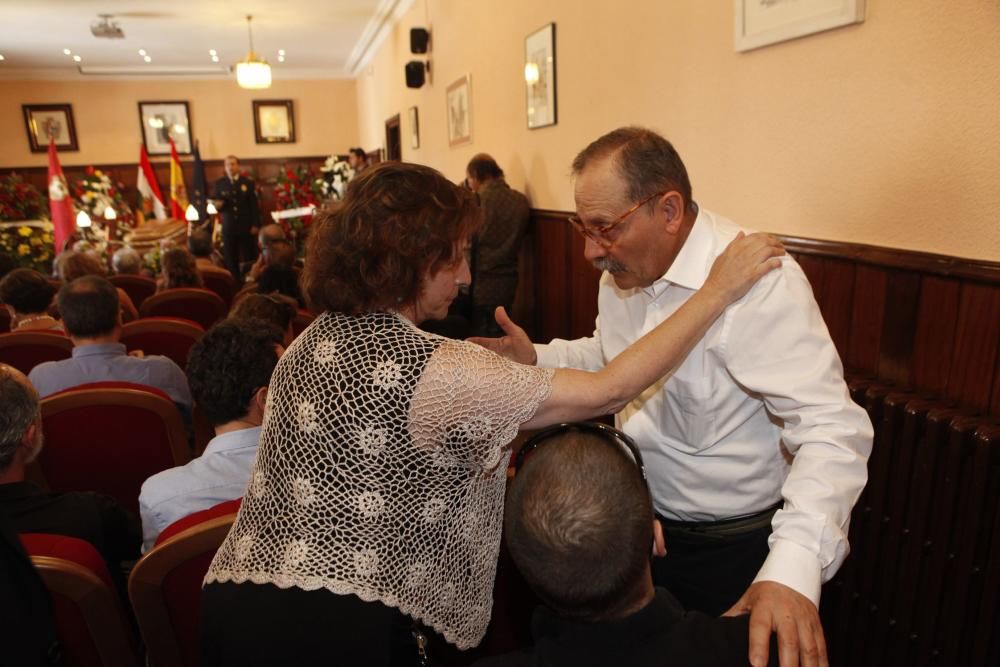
pixel 221 473
pixel 757 411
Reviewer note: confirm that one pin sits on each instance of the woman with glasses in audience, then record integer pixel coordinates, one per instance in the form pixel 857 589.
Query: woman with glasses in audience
pixel 372 519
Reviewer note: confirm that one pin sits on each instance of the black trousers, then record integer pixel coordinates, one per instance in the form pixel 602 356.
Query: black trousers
pixel 709 573
pixel 234 246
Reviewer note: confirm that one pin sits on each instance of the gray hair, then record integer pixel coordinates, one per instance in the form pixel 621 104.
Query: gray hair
pixel 126 260
pixel 20 410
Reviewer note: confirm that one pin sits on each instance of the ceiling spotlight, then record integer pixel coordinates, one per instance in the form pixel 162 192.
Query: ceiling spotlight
pixel 281 59
pixel 215 59
pixel 147 59
pixel 1 56
pixel 142 52
pixel 281 52
pixel 213 52
pixel 77 58
pixel 66 52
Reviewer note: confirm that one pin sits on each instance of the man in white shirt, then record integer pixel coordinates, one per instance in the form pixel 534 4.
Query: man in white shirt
pixel 228 370
pixel 756 453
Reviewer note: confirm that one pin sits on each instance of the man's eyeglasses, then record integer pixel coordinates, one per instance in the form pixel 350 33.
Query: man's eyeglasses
pixel 599 233
pixel 609 434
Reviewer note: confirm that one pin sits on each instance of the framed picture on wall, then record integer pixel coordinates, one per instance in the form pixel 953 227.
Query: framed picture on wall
pixel 163 121
pixel 274 121
pixel 540 76
pixel 414 119
pixel 757 23
pixel 459 101
pixel 43 121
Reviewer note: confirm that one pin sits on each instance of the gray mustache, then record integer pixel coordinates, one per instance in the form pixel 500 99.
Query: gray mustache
pixel 609 264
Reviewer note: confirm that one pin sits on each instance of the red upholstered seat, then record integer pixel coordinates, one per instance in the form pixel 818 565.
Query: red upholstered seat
pixel 172 337
pixel 302 319
pixel 89 619
pixel 221 282
pixel 26 349
pixel 110 437
pixel 201 305
pixel 165 585
pixel 138 288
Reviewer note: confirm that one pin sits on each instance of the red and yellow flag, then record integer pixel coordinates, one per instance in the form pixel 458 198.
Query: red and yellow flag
pixel 178 193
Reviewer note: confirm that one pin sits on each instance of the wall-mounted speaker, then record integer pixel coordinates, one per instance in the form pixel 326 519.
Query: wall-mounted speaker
pixel 419 39
pixel 415 73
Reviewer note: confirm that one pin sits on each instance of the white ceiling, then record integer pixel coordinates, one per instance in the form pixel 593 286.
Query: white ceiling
pixel 321 38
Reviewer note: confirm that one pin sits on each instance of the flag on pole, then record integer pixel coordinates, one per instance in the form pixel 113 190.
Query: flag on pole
pixel 199 186
pixel 60 203
pixel 178 193
pixel 148 188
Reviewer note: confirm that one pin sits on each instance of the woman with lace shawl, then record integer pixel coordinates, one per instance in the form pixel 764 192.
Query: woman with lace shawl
pixel 376 498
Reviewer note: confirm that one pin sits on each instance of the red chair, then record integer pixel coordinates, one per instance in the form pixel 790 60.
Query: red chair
pixel 26 349
pixel 221 282
pixel 90 622
pixel 170 336
pixel 165 585
pixel 138 288
pixel 201 305
pixel 110 437
pixel 302 320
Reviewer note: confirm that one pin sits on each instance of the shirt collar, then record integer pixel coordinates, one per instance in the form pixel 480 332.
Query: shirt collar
pixel 99 350
pixel 245 437
pixel 690 268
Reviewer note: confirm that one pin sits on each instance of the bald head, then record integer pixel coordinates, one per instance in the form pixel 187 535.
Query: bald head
pixel 578 522
pixel 270 233
pixel 20 412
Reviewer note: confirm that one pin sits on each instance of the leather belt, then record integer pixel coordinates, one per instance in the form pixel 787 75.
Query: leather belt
pixel 724 527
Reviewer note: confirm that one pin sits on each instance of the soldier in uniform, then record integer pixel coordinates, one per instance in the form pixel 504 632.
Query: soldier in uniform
pixel 240 216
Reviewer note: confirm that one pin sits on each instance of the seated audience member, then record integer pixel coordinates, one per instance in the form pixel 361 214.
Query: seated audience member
pixel 27 296
pixel 275 309
pixel 90 312
pixel 93 517
pixel 229 370
pixel 205 257
pixel 283 280
pixel 7 264
pixel 177 269
pixel 127 262
pixel 579 524
pixel 267 235
pixel 72 265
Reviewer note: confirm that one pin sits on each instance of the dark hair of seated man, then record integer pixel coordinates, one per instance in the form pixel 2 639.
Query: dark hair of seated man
pixel 230 363
pixel 26 291
pixel 200 243
pixel 281 279
pixel 89 307
pixel 279 253
pixel 275 309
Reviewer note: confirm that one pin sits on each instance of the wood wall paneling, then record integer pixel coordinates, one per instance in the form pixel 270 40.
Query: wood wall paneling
pixel 867 314
pixel 902 291
pixel 977 340
pixel 934 339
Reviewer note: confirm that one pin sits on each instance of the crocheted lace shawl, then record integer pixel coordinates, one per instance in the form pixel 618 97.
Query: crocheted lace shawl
pixel 381 469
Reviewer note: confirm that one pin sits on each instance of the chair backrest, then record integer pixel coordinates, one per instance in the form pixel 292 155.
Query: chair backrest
pixel 26 349
pixel 138 288
pixel 172 337
pixel 110 438
pixel 201 305
pixel 89 619
pixel 221 282
pixel 165 586
pixel 302 319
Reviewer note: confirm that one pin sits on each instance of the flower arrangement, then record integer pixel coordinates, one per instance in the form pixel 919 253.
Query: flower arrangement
pixel 95 194
pixel 292 191
pixel 333 182
pixel 31 245
pixel 20 200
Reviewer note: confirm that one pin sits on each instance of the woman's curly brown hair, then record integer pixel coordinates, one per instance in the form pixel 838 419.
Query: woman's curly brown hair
pixel 397 223
pixel 179 269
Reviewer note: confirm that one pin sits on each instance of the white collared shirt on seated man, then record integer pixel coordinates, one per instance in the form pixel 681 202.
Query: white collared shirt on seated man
pixel 764 380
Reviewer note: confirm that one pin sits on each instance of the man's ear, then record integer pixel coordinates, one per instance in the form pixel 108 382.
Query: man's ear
pixel 261 398
pixel 659 546
pixel 672 207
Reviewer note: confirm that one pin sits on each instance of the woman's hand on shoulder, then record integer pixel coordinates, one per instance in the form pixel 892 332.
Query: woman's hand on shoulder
pixel 744 261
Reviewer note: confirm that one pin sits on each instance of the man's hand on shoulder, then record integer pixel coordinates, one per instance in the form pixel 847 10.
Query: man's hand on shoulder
pixel 515 346
pixel 777 608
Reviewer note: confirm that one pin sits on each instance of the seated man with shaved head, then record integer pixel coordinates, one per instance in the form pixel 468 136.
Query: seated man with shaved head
pixel 579 525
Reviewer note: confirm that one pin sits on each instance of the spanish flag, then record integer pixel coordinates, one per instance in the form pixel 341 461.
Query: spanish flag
pixel 178 193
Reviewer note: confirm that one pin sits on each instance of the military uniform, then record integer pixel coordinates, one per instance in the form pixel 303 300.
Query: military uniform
pixel 239 213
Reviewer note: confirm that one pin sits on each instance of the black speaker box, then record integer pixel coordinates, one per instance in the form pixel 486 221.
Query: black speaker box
pixel 414 74
pixel 419 38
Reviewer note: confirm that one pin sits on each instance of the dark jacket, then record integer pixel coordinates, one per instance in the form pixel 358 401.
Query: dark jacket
pixel 239 211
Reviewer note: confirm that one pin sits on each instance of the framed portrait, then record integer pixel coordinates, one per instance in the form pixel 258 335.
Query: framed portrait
pixel 43 121
pixel 459 101
pixel 414 119
pixel 540 76
pixel 273 121
pixel 161 121
pixel 757 23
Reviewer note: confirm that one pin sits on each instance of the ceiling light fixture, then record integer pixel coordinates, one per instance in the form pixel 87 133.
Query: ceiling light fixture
pixel 66 52
pixel 1 56
pixel 142 52
pixel 213 52
pixel 215 59
pixel 147 59
pixel 77 59
pixel 253 72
